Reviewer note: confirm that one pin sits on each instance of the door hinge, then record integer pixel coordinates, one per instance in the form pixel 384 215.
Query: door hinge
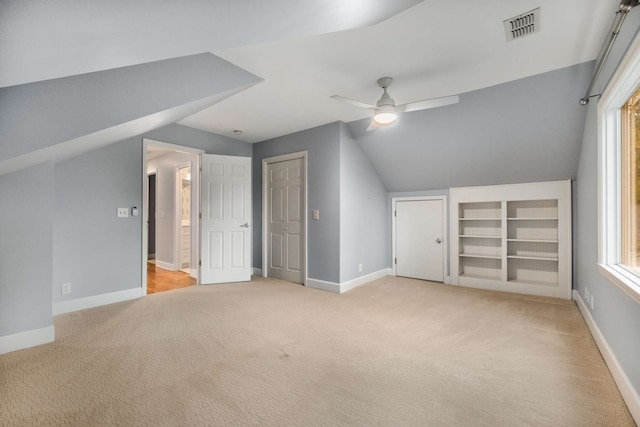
pixel 199 263
pixel 200 215
pixel 395 213
pixel 396 261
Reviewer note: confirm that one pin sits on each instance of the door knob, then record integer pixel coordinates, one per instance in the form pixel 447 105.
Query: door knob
pixel 438 241
pixel 246 224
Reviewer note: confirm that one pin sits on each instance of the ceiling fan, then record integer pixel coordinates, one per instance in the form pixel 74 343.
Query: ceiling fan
pixel 386 112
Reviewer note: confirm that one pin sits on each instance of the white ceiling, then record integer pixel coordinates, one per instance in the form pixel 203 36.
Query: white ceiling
pixel 437 48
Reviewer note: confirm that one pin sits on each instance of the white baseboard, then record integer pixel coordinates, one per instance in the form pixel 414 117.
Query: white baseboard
pixel 628 392
pixel 340 288
pixel 166 265
pixel 27 339
pixel 359 281
pixel 193 273
pixel 322 285
pixel 257 272
pixel 95 301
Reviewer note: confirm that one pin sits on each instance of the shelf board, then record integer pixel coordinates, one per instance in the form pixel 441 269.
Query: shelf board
pixel 478 276
pixel 475 236
pixel 480 219
pixel 481 256
pixel 532 240
pixel 533 282
pixel 536 258
pixel 532 219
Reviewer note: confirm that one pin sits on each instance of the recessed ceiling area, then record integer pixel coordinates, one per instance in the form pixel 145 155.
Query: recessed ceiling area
pixel 434 49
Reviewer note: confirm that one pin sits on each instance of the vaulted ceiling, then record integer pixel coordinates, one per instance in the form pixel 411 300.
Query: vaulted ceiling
pixel 304 51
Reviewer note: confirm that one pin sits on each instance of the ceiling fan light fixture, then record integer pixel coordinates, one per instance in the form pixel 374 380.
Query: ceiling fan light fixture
pixel 385 115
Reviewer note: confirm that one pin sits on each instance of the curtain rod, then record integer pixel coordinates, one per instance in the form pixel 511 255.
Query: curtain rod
pixel 622 12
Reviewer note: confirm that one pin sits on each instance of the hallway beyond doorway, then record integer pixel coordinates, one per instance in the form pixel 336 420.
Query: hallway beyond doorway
pixel 160 280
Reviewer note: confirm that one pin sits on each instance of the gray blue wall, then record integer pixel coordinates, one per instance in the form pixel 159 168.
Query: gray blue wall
pixel 363 216
pixel 322 145
pixel 526 130
pixel 95 251
pixel 62 118
pixel 615 313
pixel 26 230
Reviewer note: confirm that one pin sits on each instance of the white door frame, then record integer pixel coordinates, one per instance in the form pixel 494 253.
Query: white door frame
pixel 195 191
pixel 265 203
pixel 445 225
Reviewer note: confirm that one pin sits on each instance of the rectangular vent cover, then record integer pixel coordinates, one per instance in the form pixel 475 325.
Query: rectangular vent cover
pixel 522 25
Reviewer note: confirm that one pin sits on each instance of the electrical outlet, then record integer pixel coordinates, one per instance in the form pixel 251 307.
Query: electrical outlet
pixel 65 288
pixel 360 268
pixel 123 212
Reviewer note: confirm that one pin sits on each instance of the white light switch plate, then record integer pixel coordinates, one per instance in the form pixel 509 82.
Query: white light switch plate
pixel 123 212
pixel 316 214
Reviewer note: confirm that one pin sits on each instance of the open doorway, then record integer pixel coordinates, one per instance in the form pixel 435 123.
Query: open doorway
pixel 170 196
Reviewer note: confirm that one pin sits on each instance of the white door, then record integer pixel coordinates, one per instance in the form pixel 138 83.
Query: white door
pixel 419 239
pixel 226 219
pixel 285 220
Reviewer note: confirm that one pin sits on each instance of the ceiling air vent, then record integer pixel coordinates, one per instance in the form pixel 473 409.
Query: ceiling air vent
pixel 522 25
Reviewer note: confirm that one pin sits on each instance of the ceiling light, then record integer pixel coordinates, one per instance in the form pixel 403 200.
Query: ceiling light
pixel 385 115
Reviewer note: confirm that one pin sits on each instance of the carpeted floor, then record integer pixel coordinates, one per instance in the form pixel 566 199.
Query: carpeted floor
pixel 395 352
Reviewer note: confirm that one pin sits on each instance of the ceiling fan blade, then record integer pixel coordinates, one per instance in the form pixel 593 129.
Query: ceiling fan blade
pixel 429 103
pixel 373 126
pixel 352 102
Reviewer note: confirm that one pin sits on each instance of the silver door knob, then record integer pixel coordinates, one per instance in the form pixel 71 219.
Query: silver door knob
pixel 246 225
pixel 438 241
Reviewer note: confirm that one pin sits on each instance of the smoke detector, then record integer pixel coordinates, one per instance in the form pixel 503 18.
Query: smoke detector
pixel 522 25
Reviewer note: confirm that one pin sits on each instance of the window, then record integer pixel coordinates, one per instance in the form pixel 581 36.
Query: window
pixel 630 182
pixel 619 175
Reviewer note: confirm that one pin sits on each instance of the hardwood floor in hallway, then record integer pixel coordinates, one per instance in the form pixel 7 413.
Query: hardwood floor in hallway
pixel 160 280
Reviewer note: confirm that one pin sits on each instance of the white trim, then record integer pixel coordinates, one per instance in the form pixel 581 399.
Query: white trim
pixel 322 285
pixel 340 288
pixel 265 201
pixel 166 265
pixel 96 301
pixel 628 392
pixel 193 272
pixel 622 85
pixel 362 280
pixel 445 226
pixel 26 339
pixel 257 272
pixel 195 182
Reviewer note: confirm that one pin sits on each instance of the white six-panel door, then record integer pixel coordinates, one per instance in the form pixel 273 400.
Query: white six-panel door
pixel 285 220
pixel 226 219
pixel 419 239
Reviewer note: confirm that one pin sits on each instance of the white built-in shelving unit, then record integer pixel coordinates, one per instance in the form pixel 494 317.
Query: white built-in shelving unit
pixel 514 238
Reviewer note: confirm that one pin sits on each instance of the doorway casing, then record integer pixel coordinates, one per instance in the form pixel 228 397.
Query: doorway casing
pixel 146 143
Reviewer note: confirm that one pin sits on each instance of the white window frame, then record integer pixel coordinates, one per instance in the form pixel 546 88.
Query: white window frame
pixel 623 84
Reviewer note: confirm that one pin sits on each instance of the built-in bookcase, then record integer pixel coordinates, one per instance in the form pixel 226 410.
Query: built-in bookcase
pixel 514 238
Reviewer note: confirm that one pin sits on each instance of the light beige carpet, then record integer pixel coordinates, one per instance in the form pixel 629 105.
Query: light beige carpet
pixel 395 352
